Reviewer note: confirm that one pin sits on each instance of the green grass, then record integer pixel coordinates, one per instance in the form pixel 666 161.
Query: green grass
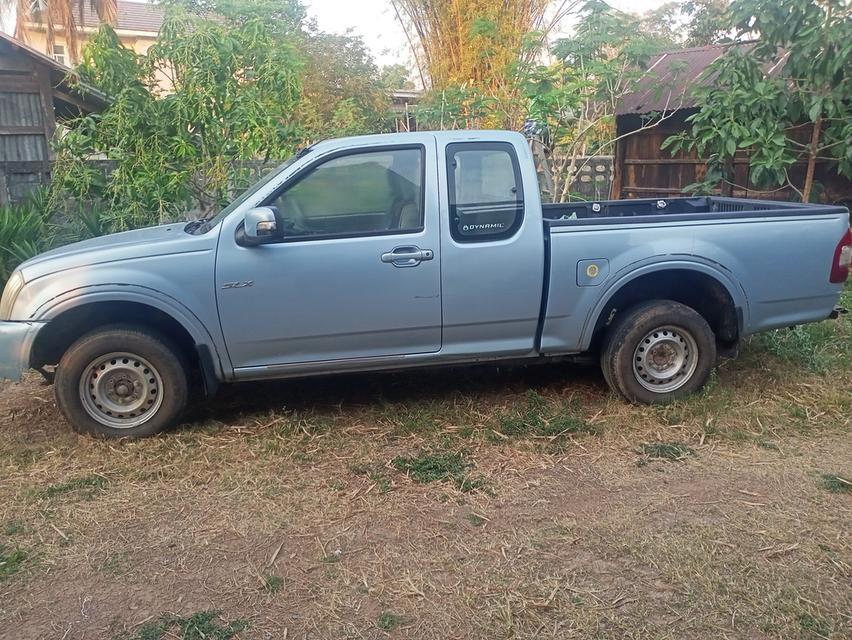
pixel 11 561
pixel 374 474
pixel 814 624
pixel 273 584
pixel 204 625
pixel 439 466
pixel 12 528
pixel 819 347
pixel 87 486
pixel 475 520
pixel 836 484
pixel 388 621
pixel 670 451
pixel 541 418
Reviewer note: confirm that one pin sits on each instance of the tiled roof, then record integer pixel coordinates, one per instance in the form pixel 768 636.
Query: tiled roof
pixel 132 16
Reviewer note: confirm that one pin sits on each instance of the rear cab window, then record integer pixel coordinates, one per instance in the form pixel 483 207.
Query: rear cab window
pixel 485 191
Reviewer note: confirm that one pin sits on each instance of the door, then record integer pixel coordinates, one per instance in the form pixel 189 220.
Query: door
pixel 492 254
pixel 356 274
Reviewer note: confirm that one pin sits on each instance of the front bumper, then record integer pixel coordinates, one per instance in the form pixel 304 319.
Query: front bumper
pixel 16 341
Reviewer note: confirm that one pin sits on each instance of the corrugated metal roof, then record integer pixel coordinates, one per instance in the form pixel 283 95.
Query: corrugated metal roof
pixel 132 16
pixel 59 74
pixel 671 77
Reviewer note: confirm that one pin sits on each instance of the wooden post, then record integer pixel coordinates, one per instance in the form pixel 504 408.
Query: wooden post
pixel 48 117
pixel 812 156
pixel 617 170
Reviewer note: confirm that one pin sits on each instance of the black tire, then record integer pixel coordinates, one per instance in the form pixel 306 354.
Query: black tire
pixel 152 406
pixel 671 328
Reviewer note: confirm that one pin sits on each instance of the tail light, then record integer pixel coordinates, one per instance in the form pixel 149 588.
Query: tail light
pixel 842 259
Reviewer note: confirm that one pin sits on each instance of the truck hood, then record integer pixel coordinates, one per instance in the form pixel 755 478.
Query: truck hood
pixel 141 243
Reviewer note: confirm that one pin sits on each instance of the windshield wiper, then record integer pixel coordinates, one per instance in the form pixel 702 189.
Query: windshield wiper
pixel 195 225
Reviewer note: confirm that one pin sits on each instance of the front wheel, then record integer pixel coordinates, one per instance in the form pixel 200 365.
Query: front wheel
pixel 658 351
pixel 121 382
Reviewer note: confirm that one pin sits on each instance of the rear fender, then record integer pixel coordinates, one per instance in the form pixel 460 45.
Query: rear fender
pixel 636 270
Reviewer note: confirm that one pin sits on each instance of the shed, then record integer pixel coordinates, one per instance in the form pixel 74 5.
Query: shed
pixel 403 102
pixel 642 170
pixel 36 92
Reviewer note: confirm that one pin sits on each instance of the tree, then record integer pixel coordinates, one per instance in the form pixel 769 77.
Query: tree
pixel 472 43
pixel 235 89
pixel 58 13
pixel 343 92
pixel 795 79
pixel 707 22
pixel 395 77
pixel 692 23
pixel 571 103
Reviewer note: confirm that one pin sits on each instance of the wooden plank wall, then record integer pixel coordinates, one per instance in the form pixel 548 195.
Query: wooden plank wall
pixel 26 124
pixel 642 170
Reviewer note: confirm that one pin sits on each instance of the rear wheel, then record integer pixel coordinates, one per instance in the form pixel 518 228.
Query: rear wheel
pixel 658 351
pixel 121 382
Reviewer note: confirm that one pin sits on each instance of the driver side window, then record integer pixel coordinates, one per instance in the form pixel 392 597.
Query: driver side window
pixel 355 194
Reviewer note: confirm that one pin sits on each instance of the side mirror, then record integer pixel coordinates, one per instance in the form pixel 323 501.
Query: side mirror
pixel 259 225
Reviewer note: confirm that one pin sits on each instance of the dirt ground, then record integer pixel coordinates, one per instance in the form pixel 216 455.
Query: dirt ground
pixel 477 503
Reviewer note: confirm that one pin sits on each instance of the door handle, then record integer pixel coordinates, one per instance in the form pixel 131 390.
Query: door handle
pixel 408 256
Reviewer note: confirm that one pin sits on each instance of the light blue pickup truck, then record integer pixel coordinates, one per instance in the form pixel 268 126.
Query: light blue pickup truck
pixel 411 250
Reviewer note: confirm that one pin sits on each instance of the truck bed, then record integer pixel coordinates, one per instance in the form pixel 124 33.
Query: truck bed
pixel 672 209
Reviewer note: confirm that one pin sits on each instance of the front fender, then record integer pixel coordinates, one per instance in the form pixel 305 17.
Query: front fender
pixel 169 305
pixel 655 264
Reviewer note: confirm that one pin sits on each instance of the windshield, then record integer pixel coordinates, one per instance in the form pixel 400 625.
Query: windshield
pixel 245 195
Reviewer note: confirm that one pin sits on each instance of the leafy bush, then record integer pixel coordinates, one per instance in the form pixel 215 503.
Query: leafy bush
pixel 25 231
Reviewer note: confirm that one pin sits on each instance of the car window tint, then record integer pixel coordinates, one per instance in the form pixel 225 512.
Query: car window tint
pixel 485 192
pixel 356 193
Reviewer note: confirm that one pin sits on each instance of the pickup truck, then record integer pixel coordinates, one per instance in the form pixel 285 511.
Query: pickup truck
pixel 410 250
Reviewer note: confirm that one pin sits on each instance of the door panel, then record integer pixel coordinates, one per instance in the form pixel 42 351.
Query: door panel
pixel 319 297
pixel 492 254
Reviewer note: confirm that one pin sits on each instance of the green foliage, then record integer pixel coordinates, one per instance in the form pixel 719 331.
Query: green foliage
pixel 234 89
pixel 567 108
pixel 88 486
pixel 25 231
pixel 454 107
pixel 692 23
pixel 439 466
pixel 820 347
pixel 835 483
pixel 204 625
pixel 343 92
pixel 540 418
pixel 394 77
pixel 388 621
pixel 11 561
pixel 273 584
pixel 757 105
pixel 669 451
pixel 227 81
pixel 815 625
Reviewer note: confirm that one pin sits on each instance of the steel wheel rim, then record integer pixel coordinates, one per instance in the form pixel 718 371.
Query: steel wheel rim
pixel 665 359
pixel 121 390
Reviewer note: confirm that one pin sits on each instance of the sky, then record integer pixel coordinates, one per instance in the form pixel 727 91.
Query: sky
pixel 374 20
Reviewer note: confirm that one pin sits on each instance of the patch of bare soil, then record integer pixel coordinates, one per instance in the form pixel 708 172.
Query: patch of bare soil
pixel 290 513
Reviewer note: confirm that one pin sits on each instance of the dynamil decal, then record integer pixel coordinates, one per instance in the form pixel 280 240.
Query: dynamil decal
pixel 483 227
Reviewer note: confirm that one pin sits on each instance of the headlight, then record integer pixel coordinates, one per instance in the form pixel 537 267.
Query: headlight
pixel 10 293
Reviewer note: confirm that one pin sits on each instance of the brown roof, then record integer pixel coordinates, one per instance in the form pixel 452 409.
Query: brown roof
pixel 132 16
pixel 671 77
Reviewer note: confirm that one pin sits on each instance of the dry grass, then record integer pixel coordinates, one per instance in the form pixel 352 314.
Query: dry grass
pixel 281 505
